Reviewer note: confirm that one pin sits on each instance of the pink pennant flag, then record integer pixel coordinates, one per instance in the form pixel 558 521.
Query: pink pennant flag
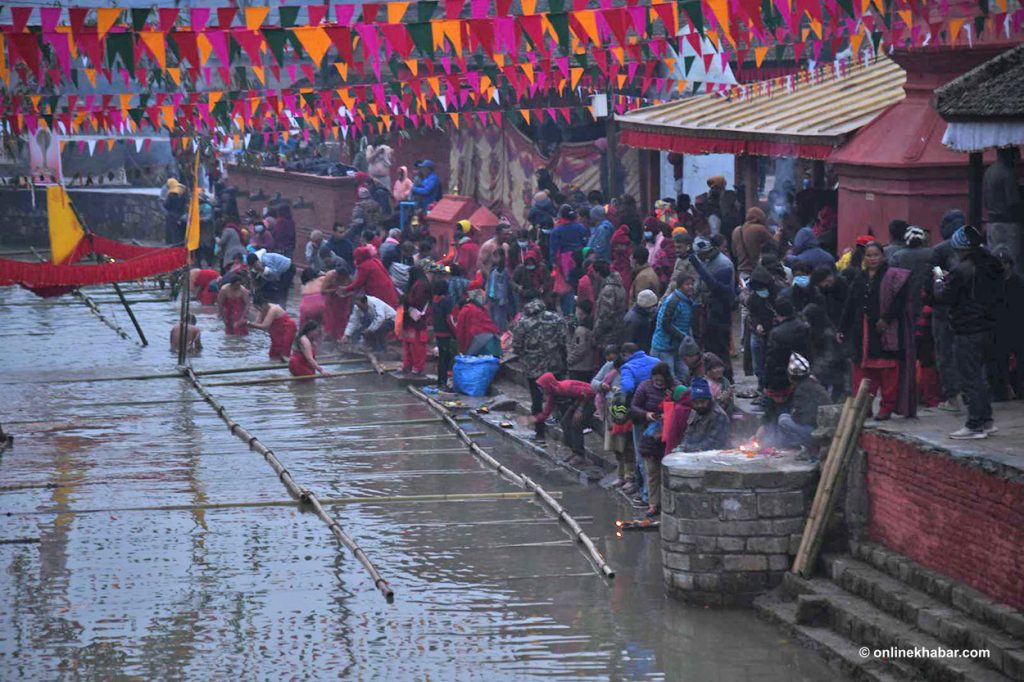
pixel 49 17
pixel 344 13
pixel 478 8
pixel 219 41
pixel 199 17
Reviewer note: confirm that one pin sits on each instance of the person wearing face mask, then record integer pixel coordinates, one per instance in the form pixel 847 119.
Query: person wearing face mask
pixel 833 290
pixel 760 318
pixel 531 275
pixel 708 426
pixel 802 294
pixel 653 235
pixel 261 237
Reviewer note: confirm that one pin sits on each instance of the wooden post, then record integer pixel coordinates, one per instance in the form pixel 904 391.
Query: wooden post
pixel 975 172
pixel 611 136
pixel 131 315
pixel 186 294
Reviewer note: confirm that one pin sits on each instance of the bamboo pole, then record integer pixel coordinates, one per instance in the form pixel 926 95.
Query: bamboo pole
pixel 303 494
pixel 186 280
pixel 578 533
pixel 331 501
pixel 58 304
pixel 522 481
pixel 844 443
pixel 274 380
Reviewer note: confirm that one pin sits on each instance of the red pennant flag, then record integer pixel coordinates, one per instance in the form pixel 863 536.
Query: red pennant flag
pixel 77 15
pixel 397 36
pixel 341 36
pixel 317 14
pixel 226 15
pixel 20 17
pixel 187 48
pixel 89 43
pixel 251 42
pixel 502 6
pixel 534 27
pixel 370 11
pixel 453 8
pixel 168 15
pixel 616 19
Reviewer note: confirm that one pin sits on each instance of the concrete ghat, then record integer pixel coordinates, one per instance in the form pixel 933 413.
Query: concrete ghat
pixel 730 523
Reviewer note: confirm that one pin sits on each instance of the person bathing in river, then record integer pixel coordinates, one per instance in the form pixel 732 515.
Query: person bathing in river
pixel 193 342
pixel 199 284
pixel 302 362
pixel 311 306
pixel 274 319
pixel 233 302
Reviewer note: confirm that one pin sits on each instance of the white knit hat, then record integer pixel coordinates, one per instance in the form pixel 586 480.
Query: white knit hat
pixel 647 299
pixel 915 234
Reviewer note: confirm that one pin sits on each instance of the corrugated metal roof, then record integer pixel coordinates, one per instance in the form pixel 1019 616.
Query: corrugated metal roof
pixel 816 113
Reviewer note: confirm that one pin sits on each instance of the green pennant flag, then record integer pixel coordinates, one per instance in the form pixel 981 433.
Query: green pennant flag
pixel 979 26
pixel 143 99
pixel 295 43
pixel 310 99
pixel 847 6
pixel 876 40
pixel 276 38
pixel 139 17
pixel 52 101
pixel 49 120
pixel 688 65
pixel 770 15
pixel 422 38
pixel 136 114
pixel 581 59
pixel 122 44
pixel 556 6
pixel 234 49
pixel 222 113
pixel 560 22
pixel 425 10
pixel 289 15
pixel 693 10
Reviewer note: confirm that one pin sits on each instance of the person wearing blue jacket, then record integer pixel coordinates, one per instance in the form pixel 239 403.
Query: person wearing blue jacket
pixel 675 315
pixel 568 235
pixel 601 230
pixel 636 369
pixel 806 249
pixel 427 189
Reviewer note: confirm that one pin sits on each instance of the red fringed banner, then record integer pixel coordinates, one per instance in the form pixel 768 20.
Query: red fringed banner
pixel 131 262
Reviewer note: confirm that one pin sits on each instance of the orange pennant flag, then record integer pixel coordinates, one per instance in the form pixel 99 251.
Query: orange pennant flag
pixel 907 16
pixel 260 73
pixel 413 66
pixel 192 232
pixel 435 84
pixel 91 75
pixel 157 44
pixel 526 115
pixel 529 6
pixel 454 117
pixel 213 97
pixel 575 75
pixel 342 68
pixel 205 48
pixel 954 28
pixel 816 27
pixel 125 103
pixel 855 41
pixel 761 52
pixel 168 112
pixel 106 17
pixel 527 71
pixel 453 31
pixel 396 10
pixel 110 144
pixel 315 41
pixel 499 59
pixel 720 8
pixel 255 16
pixel 5 74
pixel 588 20
pixel 173 70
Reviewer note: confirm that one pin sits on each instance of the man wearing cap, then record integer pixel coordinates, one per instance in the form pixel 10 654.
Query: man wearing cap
pixel 427 188
pixel 464 252
pixel 717 277
pixel 972 290
pixel 673 325
pixel 789 422
pixel 708 426
pixel 640 319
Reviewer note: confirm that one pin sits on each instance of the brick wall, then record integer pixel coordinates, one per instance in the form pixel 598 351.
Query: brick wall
pixel 946 515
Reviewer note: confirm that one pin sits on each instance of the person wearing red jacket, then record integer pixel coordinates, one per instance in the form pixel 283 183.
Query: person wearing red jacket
pixel 622 249
pixel 414 324
pixel 475 331
pixel 372 278
pixel 464 252
pixel 577 415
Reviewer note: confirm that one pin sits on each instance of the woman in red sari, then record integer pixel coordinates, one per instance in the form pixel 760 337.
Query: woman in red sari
pixel 199 283
pixel 337 302
pixel 233 302
pixel 414 327
pixel 311 307
pixel 274 319
pixel 302 362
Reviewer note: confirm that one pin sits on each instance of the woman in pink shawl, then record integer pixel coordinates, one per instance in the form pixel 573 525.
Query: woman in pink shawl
pixel 403 185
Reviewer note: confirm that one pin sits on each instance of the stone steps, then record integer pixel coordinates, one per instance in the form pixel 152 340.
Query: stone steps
pixel 953 627
pixel 949 592
pixel 858 621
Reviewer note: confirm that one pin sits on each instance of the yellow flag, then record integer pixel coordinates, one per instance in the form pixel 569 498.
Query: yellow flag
pixel 65 230
pixel 192 234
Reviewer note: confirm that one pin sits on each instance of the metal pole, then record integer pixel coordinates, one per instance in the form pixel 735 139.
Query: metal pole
pixel 131 315
pixel 183 328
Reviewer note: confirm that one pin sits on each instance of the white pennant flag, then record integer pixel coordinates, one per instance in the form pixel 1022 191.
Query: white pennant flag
pixel 138 144
pixel 92 146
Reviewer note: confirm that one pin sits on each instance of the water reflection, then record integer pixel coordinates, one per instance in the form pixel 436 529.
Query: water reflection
pixel 485 589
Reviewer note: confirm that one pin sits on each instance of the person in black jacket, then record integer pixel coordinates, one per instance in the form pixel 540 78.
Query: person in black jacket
pixel 444 330
pixel 1009 335
pixel 833 289
pixel 803 292
pixel 760 317
pixel 973 290
pixel 790 335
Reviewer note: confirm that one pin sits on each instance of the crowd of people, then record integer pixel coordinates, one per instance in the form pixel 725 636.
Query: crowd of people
pixel 637 315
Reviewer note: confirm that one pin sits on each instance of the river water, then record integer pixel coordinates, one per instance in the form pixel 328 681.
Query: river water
pixel 484 589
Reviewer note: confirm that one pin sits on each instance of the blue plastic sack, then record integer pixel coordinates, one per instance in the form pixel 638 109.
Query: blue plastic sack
pixel 473 374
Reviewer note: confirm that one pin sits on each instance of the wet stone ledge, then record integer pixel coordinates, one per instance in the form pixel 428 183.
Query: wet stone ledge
pixel 731 524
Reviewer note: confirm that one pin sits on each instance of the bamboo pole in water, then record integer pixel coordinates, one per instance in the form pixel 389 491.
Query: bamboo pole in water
pixel 177 375
pixel 303 494
pixel 523 482
pixel 274 380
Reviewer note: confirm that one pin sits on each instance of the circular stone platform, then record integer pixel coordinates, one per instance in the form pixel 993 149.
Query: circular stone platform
pixel 731 523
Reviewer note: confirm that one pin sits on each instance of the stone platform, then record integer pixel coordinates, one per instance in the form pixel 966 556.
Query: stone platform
pixel 731 522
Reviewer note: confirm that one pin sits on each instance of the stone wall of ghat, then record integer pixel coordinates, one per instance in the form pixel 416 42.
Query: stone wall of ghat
pixel 948 514
pixel 123 215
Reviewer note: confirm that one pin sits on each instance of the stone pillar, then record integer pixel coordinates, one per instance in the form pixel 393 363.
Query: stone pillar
pixel 731 524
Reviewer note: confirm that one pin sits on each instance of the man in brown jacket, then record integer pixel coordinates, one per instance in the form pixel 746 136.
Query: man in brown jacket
pixel 748 239
pixel 644 276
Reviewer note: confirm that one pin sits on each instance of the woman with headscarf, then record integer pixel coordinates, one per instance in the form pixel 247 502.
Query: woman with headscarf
pixel 475 331
pixel 402 188
pixel 877 321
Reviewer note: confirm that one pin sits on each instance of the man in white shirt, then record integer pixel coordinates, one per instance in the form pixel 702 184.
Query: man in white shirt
pixel 372 319
pixel 275 273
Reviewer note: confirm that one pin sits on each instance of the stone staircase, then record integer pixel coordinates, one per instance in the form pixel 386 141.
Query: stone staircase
pixel 879 599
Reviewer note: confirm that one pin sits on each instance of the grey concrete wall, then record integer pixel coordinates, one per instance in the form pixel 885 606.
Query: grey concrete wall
pixel 119 214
